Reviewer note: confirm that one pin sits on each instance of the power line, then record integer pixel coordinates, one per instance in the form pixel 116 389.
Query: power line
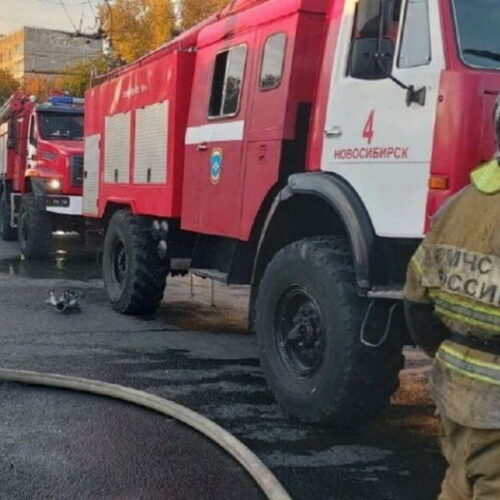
pixel 67 61
pixel 80 3
pixel 68 15
pixel 110 32
pixel 92 7
pixel 95 14
pixel 53 73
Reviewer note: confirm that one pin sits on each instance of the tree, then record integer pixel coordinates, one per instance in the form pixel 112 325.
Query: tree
pixel 8 85
pixel 79 76
pixel 194 11
pixel 136 27
pixel 42 86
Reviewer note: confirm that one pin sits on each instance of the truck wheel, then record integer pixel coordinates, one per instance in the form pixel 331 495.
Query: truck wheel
pixel 134 274
pixel 7 232
pixel 308 322
pixel 34 229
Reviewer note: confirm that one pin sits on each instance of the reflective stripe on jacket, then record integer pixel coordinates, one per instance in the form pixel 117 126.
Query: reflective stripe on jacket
pixel 457 271
pixel 468 363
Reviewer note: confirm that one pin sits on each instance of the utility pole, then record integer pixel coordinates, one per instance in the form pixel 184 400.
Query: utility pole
pixel 110 31
pixel 104 35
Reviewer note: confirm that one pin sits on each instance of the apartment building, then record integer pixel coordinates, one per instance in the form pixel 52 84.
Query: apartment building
pixel 38 51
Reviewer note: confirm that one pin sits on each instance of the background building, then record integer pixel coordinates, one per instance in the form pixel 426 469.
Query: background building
pixel 42 52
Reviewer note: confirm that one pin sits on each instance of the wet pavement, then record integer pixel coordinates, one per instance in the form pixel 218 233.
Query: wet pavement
pixel 61 445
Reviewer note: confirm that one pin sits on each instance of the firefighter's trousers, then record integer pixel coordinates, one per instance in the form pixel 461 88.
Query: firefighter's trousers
pixel 474 459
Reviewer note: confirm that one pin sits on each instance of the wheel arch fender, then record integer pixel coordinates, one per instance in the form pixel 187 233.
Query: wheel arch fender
pixel 113 204
pixel 347 207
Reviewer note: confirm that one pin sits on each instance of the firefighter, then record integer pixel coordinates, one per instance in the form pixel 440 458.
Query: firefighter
pixel 452 301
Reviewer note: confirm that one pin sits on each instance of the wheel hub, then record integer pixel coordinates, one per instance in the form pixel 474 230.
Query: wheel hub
pixel 120 262
pixel 300 331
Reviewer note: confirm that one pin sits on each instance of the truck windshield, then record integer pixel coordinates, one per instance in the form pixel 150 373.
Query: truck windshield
pixel 477 26
pixel 64 126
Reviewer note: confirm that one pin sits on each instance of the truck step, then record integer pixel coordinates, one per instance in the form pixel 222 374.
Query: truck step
pixel 212 274
pixel 387 293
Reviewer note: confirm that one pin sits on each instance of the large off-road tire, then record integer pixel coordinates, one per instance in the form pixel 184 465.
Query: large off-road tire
pixel 308 322
pixel 134 274
pixel 34 229
pixel 7 232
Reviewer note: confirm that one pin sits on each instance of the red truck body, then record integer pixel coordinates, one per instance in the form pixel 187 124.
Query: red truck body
pixel 41 156
pixel 126 185
pixel 52 154
pixel 301 147
pixel 269 118
pixel 169 74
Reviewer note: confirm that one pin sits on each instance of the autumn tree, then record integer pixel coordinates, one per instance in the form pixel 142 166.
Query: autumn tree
pixel 42 86
pixel 135 27
pixel 8 85
pixel 78 78
pixel 194 11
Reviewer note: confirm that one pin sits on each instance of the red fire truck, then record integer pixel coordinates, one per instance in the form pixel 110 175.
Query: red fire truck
pixel 301 147
pixel 41 170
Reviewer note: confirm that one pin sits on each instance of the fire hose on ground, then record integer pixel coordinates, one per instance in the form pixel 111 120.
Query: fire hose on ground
pixel 266 480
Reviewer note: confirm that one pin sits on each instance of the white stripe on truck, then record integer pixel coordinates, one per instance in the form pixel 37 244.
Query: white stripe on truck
pixel 215 132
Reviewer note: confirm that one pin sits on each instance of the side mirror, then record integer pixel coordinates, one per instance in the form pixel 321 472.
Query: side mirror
pixel 371 59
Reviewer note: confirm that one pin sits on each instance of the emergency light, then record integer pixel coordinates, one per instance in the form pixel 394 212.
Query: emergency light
pixel 63 100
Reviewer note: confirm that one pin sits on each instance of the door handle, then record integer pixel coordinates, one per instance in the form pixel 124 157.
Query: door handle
pixel 203 147
pixel 334 132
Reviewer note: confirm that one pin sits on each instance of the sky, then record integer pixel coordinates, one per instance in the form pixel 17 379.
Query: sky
pixel 47 14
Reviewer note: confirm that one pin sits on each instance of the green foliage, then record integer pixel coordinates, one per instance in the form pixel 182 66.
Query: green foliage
pixel 194 11
pixel 79 77
pixel 136 27
pixel 8 85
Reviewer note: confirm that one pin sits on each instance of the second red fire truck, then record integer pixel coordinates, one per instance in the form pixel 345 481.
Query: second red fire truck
pixel 301 147
pixel 41 170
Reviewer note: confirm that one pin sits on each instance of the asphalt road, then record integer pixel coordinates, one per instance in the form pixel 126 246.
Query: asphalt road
pixel 54 444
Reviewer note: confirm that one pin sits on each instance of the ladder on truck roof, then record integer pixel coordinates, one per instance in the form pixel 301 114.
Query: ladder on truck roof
pixel 13 105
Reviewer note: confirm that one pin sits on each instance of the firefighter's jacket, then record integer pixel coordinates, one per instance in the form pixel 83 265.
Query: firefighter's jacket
pixel 455 275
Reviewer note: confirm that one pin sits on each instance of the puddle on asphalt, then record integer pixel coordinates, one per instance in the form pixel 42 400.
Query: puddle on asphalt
pixel 75 266
pixel 71 259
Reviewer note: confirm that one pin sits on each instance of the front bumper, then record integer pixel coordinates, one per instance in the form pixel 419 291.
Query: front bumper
pixel 63 204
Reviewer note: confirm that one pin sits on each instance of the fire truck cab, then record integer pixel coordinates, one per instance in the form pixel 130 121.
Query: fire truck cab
pixel 41 170
pixel 301 147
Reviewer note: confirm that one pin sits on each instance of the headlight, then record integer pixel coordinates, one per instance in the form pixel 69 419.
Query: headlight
pixel 53 184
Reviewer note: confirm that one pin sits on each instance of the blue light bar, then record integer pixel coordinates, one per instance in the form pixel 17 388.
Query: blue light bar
pixel 64 100
pixel 60 99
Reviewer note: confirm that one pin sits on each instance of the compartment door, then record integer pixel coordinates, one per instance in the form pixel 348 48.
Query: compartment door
pixel 91 175
pixel 213 181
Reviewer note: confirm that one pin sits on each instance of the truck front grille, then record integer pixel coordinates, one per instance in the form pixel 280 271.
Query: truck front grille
pixel 76 171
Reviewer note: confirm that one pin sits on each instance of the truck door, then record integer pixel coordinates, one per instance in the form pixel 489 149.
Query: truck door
pixel 32 143
pixel 376 140
pixel 212 199
pixel 269 135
